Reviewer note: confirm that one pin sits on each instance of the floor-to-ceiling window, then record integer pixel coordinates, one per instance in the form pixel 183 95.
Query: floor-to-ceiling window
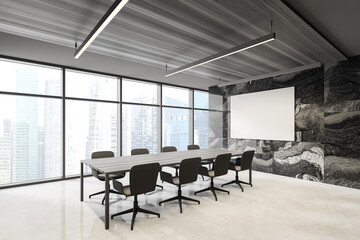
pixel 53 116
pixel 30 122
pixel 176 117
pixel 91 113
pixel 218 114
pixel 201 118
pixel 140 116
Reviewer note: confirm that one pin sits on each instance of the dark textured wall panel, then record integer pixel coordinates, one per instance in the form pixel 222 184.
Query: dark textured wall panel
pixel 342 81
pixel 342 123
pixel 303 160
pixel 309 85
pixel 342 134
pixel 342 171
pixel 309 123
pixel 327 125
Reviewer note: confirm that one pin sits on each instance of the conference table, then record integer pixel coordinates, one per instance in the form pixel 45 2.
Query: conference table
pixel 111 165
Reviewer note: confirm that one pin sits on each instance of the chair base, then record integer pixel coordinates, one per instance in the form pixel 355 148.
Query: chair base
pixel 103 192
pixel 212 188
pixel 179 197
pixel 238 182
pixel 136 209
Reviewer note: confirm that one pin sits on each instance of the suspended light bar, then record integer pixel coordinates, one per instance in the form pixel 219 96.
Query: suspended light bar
pixel 273 74
pixel 105 20
pixel 236 49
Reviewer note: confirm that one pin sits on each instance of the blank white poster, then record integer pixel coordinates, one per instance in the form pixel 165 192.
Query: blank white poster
pixel 267 115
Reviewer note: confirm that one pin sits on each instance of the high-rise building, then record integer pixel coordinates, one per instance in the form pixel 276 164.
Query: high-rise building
pixel 50 141
pixel 176 124
pixel 5 150
pixel 25 165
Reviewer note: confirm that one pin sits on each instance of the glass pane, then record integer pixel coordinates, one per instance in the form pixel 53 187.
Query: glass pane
pixel 90 127
pixel 30 139
pixel 216 124
pixel 201 99
pixel 176 127
pixel 91 86
pixel 174 96
pixel 140 92
pixel 140 128
pixel 216 102
pixel 26 78
pixel 201 128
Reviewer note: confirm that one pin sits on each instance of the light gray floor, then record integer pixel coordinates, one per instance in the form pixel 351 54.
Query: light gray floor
pixel 275 208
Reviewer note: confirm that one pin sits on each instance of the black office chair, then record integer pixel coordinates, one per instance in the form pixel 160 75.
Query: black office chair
pixel 220 168
pixel 140 151
pixel 142 180
pixel 193 147
pixel 242 164
pixel 188 173
pixel 204 162
pixel 172 149
pixel 101 176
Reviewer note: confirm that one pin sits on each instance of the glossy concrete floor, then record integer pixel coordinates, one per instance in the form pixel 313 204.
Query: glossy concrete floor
pixel 275 207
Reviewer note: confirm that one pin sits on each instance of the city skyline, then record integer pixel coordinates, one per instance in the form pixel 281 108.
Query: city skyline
pixel 31 127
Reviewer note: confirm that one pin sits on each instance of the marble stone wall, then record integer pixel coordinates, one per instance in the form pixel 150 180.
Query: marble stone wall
pixel 327 125
pixel 342 123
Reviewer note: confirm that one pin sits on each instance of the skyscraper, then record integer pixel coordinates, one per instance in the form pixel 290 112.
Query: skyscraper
pixel 5 150
pixel 25 165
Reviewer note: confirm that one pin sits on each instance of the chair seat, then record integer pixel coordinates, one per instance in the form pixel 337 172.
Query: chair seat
pixel 176 180
pixel 111 176
pixel 127 190
pixel 233 166
pixel 211 173
pixel 206 172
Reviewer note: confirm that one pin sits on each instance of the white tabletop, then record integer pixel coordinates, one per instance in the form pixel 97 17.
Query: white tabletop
pixel 125 163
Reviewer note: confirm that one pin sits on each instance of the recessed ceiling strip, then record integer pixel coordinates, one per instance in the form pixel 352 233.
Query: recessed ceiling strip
pixel 273 74
pixel 105 20
pixel 233 50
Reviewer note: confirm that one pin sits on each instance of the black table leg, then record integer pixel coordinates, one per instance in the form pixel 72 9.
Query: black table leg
pixel 81 182
pixel 107 190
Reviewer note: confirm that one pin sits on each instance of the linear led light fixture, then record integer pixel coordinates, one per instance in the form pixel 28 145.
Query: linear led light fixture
pixel 273 74
pixel 225 53
pixel 105 20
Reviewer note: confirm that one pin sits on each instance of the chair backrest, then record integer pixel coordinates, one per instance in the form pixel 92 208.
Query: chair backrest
pixel 100 154
pixel 246 160
pixel 193 147
pixel 221 164
pixel 169 149
pixel 143 178
pixel 139 151
pixel 189 169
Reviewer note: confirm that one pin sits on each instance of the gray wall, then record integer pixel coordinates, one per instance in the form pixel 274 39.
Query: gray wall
pixel 327 125
pixel 26 48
